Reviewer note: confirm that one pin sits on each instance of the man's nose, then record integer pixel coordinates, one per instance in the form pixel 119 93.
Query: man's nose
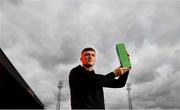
pixel 90 56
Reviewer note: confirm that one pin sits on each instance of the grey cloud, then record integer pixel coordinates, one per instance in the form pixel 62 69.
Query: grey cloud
pixel 161 98
pixel 14 2
pixel 48 60
pixel 154 21
pixel 118 104
pixel 162 27
pixel 48 103
pixel 147 72
pixel 167 27
pixel 61 52
pixel 68 39
pixel 175 61
pixel 162 93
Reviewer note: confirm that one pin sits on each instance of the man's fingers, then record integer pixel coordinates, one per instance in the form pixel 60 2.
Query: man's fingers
pixel 121 70
pixel 126 68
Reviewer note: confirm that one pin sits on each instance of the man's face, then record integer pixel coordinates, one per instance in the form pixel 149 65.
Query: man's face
pixel 88 58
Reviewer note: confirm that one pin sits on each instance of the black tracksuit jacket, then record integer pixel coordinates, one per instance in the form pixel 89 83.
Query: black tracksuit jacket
pixel 86 87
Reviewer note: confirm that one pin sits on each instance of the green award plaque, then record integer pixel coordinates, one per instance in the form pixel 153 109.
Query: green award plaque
pixel 123 55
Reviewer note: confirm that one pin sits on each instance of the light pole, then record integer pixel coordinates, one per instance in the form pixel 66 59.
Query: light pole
pixel 60 85
pixel 129 96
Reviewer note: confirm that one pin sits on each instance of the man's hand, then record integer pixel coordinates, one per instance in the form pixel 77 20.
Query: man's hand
pixel 120 71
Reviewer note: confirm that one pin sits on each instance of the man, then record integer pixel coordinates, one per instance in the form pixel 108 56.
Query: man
pixel 86 86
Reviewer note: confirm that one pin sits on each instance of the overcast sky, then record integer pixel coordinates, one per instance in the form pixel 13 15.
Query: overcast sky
pixel 43 39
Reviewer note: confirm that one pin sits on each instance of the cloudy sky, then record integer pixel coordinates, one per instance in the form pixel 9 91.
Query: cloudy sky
pixel 43 39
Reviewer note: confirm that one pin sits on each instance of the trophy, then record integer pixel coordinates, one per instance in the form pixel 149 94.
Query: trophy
pixel 123 55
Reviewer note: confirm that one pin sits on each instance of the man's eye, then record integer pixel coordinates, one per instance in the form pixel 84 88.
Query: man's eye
pixel 87 54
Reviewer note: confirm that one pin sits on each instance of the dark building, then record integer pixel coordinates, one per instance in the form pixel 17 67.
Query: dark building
pixel 14 91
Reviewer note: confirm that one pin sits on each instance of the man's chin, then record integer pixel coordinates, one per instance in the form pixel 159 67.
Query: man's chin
pixel 88 65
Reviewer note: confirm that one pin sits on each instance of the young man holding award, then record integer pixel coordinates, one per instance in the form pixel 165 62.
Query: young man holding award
pixel 86 87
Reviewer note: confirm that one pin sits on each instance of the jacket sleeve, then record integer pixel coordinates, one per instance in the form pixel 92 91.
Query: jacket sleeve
pixel 110 81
